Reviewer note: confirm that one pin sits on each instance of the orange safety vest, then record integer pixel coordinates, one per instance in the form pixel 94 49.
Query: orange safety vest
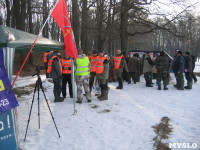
pixel 100 66
pixel 65 64
pixel 45 57
pixel 49 69
pixel 93 62
pixel 117 61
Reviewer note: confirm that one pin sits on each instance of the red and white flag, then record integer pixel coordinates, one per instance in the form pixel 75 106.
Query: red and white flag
pixel 61 16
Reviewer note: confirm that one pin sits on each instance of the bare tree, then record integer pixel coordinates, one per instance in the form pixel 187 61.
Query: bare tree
pixel 84 22
pixel 76 21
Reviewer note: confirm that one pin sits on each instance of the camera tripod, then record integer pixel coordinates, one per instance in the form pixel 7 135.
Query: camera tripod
pixel 38 85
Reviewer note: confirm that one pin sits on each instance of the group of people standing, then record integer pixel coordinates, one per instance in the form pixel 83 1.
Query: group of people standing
pixel 95 68
pixel 86 69
pixel 183 64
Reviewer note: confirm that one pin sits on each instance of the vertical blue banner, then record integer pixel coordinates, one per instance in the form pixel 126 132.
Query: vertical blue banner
pixel 7 136
pixel 7 100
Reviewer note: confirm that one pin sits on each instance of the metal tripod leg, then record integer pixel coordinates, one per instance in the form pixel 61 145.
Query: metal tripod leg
pixel 38 86
pixel 30 110
pixel 40 83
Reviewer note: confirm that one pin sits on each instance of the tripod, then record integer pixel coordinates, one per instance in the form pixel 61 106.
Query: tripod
pixel 38 85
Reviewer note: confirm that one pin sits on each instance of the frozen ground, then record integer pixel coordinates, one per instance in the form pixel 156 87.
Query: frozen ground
pixel 124 122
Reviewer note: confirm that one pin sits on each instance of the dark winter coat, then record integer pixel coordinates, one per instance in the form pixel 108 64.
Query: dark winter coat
pixel 188 64
pixel 179 64
pixel 193 62
pixel 133 64
pixel 56 72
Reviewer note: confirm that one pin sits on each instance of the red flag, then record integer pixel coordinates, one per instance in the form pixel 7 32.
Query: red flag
pixel 60 15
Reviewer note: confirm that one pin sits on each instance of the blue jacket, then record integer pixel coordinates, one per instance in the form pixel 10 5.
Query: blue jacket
pixel 179 64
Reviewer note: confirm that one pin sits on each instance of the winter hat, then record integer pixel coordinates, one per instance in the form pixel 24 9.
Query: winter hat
pixel 100 51
pixel 180 52
pixel 79 50
pixel 94 51
pixel 188 53
pixel 177 50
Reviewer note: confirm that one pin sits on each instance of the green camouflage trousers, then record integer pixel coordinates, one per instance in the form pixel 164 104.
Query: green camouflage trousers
pixel 180 80
pixel 162 76
pixel 82 82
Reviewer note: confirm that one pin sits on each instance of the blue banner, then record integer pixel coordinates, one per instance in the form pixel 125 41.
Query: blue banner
pixel 7 136
pixel 7 100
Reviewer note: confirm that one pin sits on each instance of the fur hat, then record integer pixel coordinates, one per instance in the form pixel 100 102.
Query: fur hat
pixel 79 50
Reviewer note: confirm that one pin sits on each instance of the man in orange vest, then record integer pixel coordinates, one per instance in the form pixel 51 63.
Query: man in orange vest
pixel 66 73
pixel 45 60
pixel 93 62
pixel 102 75
pixel 55 72
pixel 119 63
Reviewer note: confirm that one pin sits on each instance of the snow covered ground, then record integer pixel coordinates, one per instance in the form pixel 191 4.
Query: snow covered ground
pixel 124 122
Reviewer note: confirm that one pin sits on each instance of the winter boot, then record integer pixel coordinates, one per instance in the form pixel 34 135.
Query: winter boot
pixel 195 80
pixel 78 101
pixel 189 85
pixel 100 95
pixel 57 96
pixel 165 85
pixel 104 95
pixel 180 87
pixel 120 83
pixel 159 86
pixel 148 83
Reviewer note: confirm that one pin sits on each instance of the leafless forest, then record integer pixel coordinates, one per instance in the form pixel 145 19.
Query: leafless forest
pixel 112 24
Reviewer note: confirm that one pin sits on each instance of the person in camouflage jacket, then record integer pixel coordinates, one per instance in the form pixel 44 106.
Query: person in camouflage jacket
pixel 162 65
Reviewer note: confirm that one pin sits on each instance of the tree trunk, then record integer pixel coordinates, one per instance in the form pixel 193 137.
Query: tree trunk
pixel 110 28
pixel 8 13
pixel 23 15
pixel 84 22
pixel 16 14
pixel 75 21
pixel 124 25
pixel 100 32
pixel 30 28
pixel 30 17
pixel 45 15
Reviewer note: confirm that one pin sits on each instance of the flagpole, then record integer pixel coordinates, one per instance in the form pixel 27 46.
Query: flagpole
pixel 73 85
pixel 32 47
